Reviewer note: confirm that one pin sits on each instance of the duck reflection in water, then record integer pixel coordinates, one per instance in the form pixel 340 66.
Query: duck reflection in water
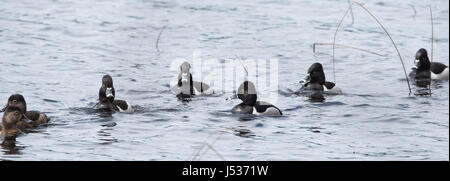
pixel 9 131
pixel 9 146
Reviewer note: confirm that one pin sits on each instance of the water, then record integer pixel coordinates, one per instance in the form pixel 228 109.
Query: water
pixel 55 53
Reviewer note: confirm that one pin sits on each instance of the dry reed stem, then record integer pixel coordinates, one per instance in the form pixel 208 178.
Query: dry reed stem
pixel 414 9
pixel 159 35
pixel 240 61
pixel 218 154
pixel 384 29
pixel 347 46
pixel 351 12
pixel 210 146
pixel 334 39
pixel 395 45
pixel 193 156
pixel 432 43
pixel 197 156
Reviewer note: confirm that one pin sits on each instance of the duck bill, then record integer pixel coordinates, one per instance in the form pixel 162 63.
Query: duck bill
pixel 306 80
pixel 109 93
pixel 232 97
pixel 416 64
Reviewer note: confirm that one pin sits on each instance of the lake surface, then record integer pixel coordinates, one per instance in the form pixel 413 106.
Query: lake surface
pixel 55 52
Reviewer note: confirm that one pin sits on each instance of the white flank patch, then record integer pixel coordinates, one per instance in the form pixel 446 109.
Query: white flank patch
pixel 442 76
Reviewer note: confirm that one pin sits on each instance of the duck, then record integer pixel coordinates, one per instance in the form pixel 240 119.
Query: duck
pixel 250 105
pixel 315 80
pixel 186 86
pixel 424 69
pixel 106 97
pixel 11 116
pixel 30 118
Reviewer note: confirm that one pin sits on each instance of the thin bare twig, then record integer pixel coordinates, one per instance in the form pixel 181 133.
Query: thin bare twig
pixel 347 46
pixel 351 11
pixel 240 61
pixel 415 11
pixel 196 154
pixel 398 52
pixel 334 39
pixel 210 145
pixel 384 29
pixel 159 35
pixel 218 154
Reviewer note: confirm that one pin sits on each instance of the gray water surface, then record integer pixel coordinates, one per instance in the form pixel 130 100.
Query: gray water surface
pixel 55 52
